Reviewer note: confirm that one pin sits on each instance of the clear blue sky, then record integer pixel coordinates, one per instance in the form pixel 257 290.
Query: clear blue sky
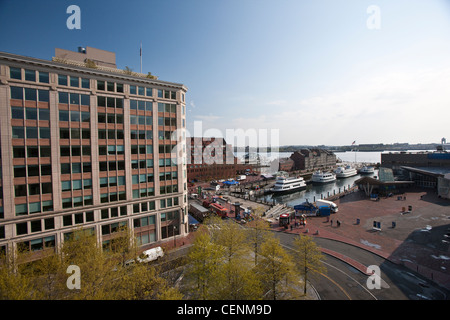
pixel 311 69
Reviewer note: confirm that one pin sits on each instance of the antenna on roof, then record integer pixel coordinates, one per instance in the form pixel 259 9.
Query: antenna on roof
pixel 140 53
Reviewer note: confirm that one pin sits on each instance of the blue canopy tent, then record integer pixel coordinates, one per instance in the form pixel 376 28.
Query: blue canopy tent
pixel 229 183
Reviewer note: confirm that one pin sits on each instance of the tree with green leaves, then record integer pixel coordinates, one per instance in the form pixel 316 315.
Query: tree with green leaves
pixel 308 258
pixel 204 258
pixel 258 232
pixel 276 271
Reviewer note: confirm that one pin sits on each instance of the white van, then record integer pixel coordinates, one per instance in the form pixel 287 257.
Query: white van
pixel 334 206
pixel 151 255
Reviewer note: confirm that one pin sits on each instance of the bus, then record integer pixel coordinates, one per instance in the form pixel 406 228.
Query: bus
pixel 218 209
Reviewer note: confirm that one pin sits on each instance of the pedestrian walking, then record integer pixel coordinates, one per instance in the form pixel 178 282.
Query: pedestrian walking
pixel 331 222
pixel 338 223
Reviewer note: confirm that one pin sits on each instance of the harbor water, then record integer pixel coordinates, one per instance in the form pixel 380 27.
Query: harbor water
pixel 314 192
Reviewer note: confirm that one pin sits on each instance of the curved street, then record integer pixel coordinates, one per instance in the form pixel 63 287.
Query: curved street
pixel 344 282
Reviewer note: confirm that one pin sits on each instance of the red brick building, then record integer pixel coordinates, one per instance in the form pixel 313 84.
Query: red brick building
pixel 211 159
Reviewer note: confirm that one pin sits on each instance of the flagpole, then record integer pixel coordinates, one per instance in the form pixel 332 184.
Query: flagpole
pixel 140 53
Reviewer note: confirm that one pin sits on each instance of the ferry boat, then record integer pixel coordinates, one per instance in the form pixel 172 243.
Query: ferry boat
pixel 323 177
pixel 366 170
pixel 345 172
pixel 285 185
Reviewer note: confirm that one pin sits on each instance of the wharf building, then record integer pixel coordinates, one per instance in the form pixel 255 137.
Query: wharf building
pixel 427 169
pixel 211 159
pixel 87 145
pixel 308 159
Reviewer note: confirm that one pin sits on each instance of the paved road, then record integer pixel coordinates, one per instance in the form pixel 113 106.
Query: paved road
pixel 343 282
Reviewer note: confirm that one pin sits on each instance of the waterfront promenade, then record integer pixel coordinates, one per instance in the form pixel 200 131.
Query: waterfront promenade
pixel 417 239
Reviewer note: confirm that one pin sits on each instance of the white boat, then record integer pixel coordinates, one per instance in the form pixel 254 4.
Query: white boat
pixel 366 170
pixel 345 172
pixel 284 184
pixel 323 177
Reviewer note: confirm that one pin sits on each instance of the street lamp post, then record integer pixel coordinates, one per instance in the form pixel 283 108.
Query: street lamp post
pixel 174 236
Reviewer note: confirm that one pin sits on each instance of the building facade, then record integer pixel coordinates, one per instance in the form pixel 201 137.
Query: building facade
pixel 88 147
pixel 211 159
pixel 308 159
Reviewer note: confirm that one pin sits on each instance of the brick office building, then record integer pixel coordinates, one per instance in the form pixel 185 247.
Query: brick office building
pixel 87 146
pixel 211 159
pixel 308 159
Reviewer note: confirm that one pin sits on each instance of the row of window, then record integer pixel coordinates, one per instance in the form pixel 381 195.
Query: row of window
pixel 77 202
pixel 77 82
pixel 30 133
pixel 74 98
pixel 74 133
pixel 143 207
pixel 33 207
pixel 30 94
pixel 74 116
pixel 29 75
pixel 141 120
pixel 113 212
pixel 80 184
pixel 35 226
pixel 113 196
pixel 33 189
pixel 112 181
pixel 30 114
pixel 31 152
pixel 110 118
pixel 111 150
pixel 32 170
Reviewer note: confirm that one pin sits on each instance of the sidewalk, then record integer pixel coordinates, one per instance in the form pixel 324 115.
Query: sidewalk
pixel 404 245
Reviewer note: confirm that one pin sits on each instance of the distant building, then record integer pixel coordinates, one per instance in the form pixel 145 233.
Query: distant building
pixel 211 159
pixel 395 160
pixel 426 169
pixel 308 159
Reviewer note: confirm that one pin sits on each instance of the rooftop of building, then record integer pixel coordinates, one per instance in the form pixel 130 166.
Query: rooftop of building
pixel 103 64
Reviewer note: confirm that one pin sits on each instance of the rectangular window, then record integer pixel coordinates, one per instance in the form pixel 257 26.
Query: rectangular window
pixel 85 83
pixel 132 89
pixel 74 98
pixel 74 81
pixel 62 80
pixel 18 132
pixel 63 97
pixel 44 77
pixel 31 113
pixel 43 95
pixel 18 152
pixel 17 93
pixel 110 86
pixel 34 207
pixel 30 75
pixel 15 73
pixel 17 112
pixel 85 116
pixel 85 100
pixel 44 133
pixel 100 85
pixel 30 94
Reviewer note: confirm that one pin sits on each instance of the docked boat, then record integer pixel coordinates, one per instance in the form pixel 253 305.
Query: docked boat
pixel 323 177
pixel 345 172
pixel 285 185
pixel 366 170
